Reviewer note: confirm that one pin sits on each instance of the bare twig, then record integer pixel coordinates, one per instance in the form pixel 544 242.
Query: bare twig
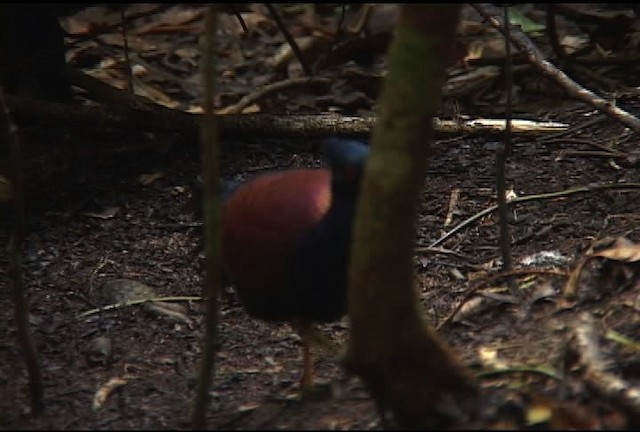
pixel 508 81
pixel 502 153
pixel 540 197
pixel 338 34
pixel 441 250
pixel 566 61
pixel 595 153
pixel 594 120
pixel 453 204
pixel 588 142
pixel 336 37
pixel 265 91
pixel 9 137
pixel 290 40
pixel 535 57
pixel 127 59
pixel 212 242
pixel 544 370
pixel 136 302
pixel 552 35
pixel 238 16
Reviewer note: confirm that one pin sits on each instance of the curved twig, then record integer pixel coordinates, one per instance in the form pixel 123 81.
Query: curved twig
pixel 539 197
pixel 263 92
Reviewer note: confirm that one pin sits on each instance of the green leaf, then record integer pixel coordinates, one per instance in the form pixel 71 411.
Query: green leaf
pixel 517 17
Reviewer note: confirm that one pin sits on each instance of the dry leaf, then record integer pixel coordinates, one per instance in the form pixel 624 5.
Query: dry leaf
pixel 147 179
pixel 489 358
pixel 106 389
pixel 6 189
pixel 538 412
pixel 108 213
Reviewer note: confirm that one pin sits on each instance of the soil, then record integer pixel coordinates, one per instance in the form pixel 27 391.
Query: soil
pixel 93 219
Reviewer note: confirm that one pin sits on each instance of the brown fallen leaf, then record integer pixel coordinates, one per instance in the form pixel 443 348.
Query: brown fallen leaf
pixel 6 190
pixel 147 179
pixel 106 389
pixel 107 213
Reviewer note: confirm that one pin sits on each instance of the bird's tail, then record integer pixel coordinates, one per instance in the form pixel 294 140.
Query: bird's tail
pixel 225 189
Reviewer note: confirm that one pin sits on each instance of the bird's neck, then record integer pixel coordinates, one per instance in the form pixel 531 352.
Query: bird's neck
pixel 343 203
pixel 343 191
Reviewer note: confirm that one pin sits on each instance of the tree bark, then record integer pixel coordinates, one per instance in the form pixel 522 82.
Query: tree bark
pixel 407 368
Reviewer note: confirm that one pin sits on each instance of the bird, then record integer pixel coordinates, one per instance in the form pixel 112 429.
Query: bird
pixel 286 239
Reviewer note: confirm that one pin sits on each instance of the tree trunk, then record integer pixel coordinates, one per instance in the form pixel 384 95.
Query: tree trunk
pixel 407 368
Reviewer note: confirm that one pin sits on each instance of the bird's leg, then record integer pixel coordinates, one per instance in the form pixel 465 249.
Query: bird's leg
pixel 324 343
pixel 306 381
pixel 304 330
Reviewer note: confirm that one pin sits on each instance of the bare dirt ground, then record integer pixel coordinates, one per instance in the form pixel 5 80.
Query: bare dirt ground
pixel 93 219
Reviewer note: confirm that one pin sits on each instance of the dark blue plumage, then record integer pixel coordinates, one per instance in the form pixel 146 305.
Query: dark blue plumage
pixel 226 188
pixel 286 237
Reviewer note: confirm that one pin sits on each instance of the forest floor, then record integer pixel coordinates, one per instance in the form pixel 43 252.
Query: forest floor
pixel 104 205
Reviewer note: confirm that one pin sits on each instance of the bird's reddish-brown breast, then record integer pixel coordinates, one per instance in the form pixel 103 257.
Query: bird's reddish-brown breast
pixel 263 221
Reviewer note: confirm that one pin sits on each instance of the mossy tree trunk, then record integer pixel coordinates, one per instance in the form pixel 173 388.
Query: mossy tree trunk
pixel 407 368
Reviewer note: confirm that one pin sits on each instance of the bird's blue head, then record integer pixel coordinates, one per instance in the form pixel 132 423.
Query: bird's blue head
pixel 347 158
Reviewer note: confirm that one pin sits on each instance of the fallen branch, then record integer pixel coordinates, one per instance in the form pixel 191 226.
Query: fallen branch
pixel 536 58
pixel 139 116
